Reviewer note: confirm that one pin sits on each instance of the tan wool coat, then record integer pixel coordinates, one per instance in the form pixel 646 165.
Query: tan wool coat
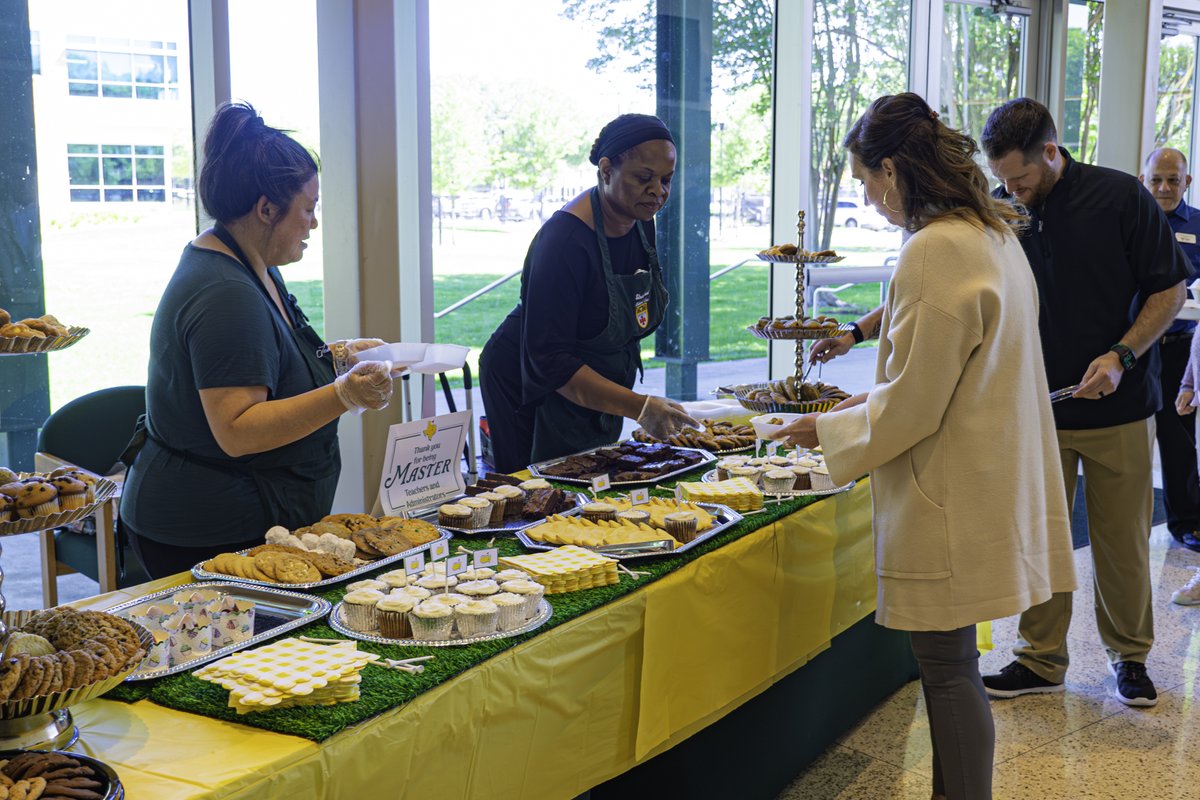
pixel 970 514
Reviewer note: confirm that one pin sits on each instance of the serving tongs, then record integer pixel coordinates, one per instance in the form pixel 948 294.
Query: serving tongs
pixel 1063 394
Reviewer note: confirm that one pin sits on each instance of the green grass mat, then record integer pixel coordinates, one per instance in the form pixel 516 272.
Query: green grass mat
pixel 383 689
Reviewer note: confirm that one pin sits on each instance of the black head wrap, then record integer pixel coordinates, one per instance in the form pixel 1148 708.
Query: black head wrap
pixel 628 131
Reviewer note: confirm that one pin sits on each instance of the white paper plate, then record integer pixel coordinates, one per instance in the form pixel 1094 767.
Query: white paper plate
pixel 400 354
pixel 763 430
pixel 441 358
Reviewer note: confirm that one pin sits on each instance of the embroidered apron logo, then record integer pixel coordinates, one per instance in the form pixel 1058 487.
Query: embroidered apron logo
pixel 642 308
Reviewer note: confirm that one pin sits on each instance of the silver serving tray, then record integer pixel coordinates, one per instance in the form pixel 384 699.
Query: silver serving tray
pixel 536 469
pixel 430 515
pixel 711 477
pixel 724 515
pixel 291 609
pixel 113 791
pixel 201 574
pixel 542 616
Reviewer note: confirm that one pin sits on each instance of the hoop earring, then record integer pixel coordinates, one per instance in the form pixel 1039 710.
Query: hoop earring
pixel 885 202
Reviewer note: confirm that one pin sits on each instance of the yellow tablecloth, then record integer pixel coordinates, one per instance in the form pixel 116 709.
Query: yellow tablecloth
pixel 556 715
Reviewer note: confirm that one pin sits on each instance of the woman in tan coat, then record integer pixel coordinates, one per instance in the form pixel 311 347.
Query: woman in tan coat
pixel 969 512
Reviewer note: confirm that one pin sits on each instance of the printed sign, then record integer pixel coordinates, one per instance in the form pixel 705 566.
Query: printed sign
pixel 456 565
pixel 772 447
pixel 439 550
pixel 414 564
pixel 487 557
pixel 678 493
pixel 639 497
pixel 423 463
pixel 601 483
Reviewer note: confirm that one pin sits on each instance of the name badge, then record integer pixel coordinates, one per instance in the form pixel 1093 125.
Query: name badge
pixel 1185 238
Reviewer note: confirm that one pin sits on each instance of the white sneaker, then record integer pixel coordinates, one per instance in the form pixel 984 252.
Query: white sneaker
pixel 1189 595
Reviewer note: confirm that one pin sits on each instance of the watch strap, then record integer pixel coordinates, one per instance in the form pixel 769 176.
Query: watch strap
pixel 857 333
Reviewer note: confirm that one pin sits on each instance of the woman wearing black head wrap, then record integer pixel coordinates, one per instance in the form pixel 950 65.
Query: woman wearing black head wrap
pixel 557 375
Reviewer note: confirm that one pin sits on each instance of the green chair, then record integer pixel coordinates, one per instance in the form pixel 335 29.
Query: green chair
pixel 90 432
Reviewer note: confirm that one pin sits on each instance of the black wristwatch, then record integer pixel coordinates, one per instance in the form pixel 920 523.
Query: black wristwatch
pixel 1128 359
pixel 856 332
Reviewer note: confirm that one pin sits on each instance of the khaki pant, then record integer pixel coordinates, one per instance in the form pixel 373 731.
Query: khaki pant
pixel 1117 483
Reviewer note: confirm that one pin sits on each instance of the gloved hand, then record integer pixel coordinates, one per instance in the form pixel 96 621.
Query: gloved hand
pixel 345 352
pixel 366 385
pixel 661 417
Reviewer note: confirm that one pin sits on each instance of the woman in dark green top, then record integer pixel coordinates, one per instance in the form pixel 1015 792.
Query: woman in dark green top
pixel 241 395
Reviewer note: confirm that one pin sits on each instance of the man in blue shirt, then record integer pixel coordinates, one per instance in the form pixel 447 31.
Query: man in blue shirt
pixel 1166 176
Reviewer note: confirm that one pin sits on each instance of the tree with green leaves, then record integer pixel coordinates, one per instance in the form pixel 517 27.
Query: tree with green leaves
pixel 1176 79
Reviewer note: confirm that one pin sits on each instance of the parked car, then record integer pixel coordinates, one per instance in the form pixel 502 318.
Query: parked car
pixel 756 209
pixel 472 205
pixel 853 213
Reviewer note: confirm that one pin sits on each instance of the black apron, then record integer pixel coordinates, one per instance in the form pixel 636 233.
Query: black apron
pixel 636 304
pixel 295 482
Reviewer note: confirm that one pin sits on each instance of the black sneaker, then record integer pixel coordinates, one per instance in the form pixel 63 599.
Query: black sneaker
pixel 1134 687
pixel 1017 679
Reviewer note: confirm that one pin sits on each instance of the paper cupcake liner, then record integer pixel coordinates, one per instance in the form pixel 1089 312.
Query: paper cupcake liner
pixel 497 512
pixel 359 617
pixel 70 502
pixel 431 629
pixel 510 617
pixel 514 507
pixel 187 644
pixel 681 531
pixel 821 482
pixel 476 624
pixel 531 603
pixel 777 485
pixel 455 521
pixel 480 516
pixel 231 627
pixel 394 625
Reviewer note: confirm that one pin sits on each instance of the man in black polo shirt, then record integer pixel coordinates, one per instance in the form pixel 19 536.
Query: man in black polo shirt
pixel 1166 177
pixel 1110 281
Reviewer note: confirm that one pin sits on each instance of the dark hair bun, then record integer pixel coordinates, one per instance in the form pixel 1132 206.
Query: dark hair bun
pixel 245 159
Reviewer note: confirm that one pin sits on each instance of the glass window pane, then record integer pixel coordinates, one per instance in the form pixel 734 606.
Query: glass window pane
pixel 148 69
pixel 172 69
pixel 122 90
pixel 83 148
pixel 117 149
pixel 271 32
pixel 81 65
pixel 856 58
pixel 982 55
pixel 84 170
pixel 118 171
pixel 116 44
pixel 83 89
pixel 151 196
pixel 116 67
pixel 81 40
pixel 118 195
pixel 1079 131
pixel 85 195
pixel 149 92
pixel 150 171
pixel 148 150
pixel 1176 88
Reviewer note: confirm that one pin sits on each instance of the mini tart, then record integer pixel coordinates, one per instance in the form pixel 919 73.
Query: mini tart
pixel 778 481
pixel 455 515
pixel 681 525
pixel 598 511
pixel 481 511
pixel 475 618
pixel 635 515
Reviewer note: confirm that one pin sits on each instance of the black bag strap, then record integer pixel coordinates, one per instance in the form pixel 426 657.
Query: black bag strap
pixel 135 445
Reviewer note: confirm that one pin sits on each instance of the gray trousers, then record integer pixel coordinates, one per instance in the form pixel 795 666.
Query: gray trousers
pixel 960 718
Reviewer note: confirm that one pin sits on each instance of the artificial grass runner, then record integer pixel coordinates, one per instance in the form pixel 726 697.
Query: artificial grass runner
pixel 383 689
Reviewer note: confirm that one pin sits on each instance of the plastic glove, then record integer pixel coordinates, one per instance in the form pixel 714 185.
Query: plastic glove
pixel 366 385
pixel 344 352
pixel 661 417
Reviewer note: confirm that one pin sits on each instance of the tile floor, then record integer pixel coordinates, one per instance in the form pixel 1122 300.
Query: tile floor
pixel 1079 744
